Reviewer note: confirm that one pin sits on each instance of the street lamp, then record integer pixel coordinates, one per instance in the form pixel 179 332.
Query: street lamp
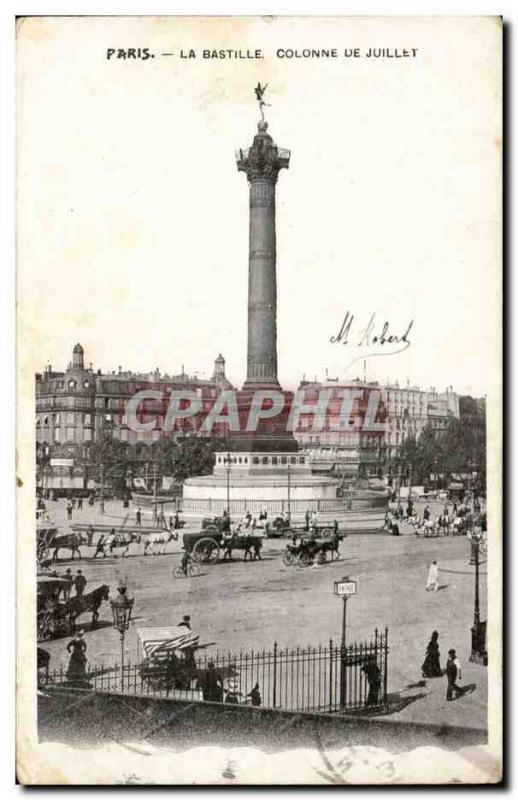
pixel 122 607
pixel 101 499
pixel 344 589
pixel 478 630
pixel 289 491
pixel 227 462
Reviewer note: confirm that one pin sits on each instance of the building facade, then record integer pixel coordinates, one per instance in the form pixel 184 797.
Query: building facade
pixel 80 406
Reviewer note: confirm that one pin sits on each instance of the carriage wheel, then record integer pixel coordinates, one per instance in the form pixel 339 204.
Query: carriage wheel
pixel 321 557
pixel 288 533
pixel 326 533
pixel 206 551
pixel 305 560
pixel 178 573
pixel 288 558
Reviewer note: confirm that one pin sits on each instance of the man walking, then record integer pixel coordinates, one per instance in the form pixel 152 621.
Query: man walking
pixel 453 671
pixel 432 580
pixel 138 517
pixel 80 583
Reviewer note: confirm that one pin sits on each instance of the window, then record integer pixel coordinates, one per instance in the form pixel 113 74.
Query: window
pixel 255 460
pixel 302 460
pixel 293 460
pixel 70 434
pixel 274 460
pixel 87 435
pixel 265 459
pixel 88 419
pixel 56 435
pixel 283 460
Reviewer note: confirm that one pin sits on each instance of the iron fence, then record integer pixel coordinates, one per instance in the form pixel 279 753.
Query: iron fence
pixel 322 678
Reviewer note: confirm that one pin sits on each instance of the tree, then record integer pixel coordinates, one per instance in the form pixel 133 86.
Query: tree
pixel 109 453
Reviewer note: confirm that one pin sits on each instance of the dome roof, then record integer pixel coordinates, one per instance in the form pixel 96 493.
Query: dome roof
pixel 78 348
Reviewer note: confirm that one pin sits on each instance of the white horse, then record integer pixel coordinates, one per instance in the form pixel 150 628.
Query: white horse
pixel 159 540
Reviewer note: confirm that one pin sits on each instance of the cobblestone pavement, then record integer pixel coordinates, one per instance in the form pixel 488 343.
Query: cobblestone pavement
pixel 249 605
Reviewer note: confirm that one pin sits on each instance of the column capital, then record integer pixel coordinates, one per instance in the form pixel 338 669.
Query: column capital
pixel 263 160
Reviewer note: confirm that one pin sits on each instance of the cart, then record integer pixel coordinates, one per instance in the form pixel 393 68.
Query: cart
pixel 166 658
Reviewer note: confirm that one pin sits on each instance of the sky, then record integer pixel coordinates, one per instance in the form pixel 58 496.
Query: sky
pixel 132 232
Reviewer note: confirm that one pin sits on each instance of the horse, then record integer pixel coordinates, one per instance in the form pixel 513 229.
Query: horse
pixel 160 540
pixel 76 606
pixel 116 540
pixel 443 524
pixel 66 541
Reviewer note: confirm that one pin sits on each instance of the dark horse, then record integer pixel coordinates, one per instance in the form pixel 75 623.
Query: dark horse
pixel 66 541
pixel 76 606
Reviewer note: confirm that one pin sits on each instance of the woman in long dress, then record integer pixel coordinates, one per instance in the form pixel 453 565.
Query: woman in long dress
pixel 431 667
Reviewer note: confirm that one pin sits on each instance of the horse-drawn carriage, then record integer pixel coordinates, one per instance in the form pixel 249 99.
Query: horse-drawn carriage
pixel 57 612
pixel 166 657
pixel 306 550
pixel 206 546
pixel 51 616
pixel 281 528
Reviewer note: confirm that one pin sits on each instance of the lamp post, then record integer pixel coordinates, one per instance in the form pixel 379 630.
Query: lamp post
pixel 478 630
pixel 122 607
pixel 344 589
pixel 289 491
pixel 155 503
pixel 227 462
pixel 101 500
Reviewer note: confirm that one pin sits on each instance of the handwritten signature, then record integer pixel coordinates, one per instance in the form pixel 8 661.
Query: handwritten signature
pixel 373 335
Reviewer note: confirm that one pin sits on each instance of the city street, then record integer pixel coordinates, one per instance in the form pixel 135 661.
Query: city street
pixel 250 605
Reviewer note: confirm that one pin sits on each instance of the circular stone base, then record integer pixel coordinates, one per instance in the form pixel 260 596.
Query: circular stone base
pixel 210 495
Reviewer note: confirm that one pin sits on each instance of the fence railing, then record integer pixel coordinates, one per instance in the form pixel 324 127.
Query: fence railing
pixel 296 506
pixel 323 678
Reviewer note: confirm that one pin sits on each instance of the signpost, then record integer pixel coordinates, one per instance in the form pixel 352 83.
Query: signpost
pixel 344 589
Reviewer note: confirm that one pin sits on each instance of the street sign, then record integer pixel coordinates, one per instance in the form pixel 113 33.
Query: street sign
pixel 345 588
pixel 61 462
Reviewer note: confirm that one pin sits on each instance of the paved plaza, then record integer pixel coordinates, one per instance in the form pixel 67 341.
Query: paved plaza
pixel 243 606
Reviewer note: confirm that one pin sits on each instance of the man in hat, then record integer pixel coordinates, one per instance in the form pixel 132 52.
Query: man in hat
pixel 186 622
pixel 453 671
pixel 70 578
pixel 80 583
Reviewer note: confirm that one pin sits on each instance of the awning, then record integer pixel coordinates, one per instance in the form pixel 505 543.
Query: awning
pixel 154 642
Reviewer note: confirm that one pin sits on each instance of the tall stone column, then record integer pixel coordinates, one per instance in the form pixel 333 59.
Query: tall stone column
pixel 261 163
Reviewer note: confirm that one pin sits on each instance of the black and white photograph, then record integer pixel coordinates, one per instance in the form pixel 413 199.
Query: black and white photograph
pixel 259 409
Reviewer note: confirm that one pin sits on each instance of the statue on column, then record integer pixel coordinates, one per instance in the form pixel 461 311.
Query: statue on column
pixel 259 93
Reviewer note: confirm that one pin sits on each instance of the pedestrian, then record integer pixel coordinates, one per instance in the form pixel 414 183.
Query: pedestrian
pixel 373 675
pixel 394 527
pixel 138 518
pixel 335 528
pixel 426 513
pixel 255 695
pixel 453 672
pixel 211 684
pixel 69 510
pixel 80 583
pixel 77 664
pixel 186 622
pixel 432 579
pixel 100 546
pixel 73 502
pixel 70 579
pixel 225 522
pixel 409 509
pixel 306 518
pixel 431 667
pixel 90 536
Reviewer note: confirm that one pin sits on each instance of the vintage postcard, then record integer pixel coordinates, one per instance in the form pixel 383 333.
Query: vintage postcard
pixel 259 292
